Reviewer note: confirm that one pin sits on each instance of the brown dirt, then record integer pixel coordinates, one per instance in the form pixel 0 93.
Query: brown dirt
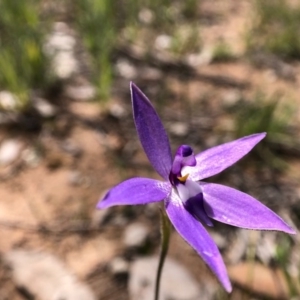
pixel 41 209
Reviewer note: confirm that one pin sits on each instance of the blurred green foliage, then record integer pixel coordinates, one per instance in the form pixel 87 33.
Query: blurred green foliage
pixel 96 21
pixel 276 28
pixel 23 64
pixel 184 39
pixel 259 116
pixel 166 13
pixel 283 250
pixel 222 52
pixel 283 260
pixel 262 115
pixel 102 23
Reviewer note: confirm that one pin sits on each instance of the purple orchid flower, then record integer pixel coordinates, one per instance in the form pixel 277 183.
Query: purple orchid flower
pixel 187 198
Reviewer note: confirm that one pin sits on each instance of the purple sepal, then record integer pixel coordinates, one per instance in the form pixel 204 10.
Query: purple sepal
pixel 196 235
pixel 214 160
pixel 151 133
pixel 136 191
pixel 230 206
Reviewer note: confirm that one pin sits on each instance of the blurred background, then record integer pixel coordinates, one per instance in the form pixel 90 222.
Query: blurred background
pixel 214 70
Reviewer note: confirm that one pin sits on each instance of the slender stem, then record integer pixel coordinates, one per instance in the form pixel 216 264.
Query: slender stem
pixel 165 238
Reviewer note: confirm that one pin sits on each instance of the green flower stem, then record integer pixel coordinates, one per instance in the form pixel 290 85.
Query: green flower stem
pixel 165 239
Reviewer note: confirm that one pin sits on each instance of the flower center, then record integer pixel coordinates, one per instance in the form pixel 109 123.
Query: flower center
pixel 184 157
pixel 183 179
pixel 189 192
pixel 185 188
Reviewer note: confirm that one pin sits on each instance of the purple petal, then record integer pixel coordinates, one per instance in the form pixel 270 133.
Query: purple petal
pixel 197 236
pixel 233 207
pixel 195 207
pixel 217 159
pixel 136 191
pixel 151 132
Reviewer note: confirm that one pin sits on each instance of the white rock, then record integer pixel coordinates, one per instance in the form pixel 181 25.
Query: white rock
pixel 31 157
pixel 60 41
pixel 231 97
pixel 176 282
pixel 199 59
pixel 125 69
pixel 82 92
pixel 135 235
pixel 179 128
pixel 163 42
pixel 117 110
pixel 46 109
pixel 146 16
pixel 60 46
pixel 9 151
pixel 65 64
pixel 119 266
pixel 46 277
pixel 8 101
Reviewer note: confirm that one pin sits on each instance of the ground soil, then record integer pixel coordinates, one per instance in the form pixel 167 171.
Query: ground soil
pixel 50 205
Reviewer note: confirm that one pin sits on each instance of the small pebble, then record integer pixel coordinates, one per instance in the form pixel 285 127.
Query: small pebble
pixel 117 110
pixel 119 266
pixel 60 46
pixel 135 235
pixel 70 147
pixel 176 283
pixel 9 151
pixel 82 92
pixel 31 157
pixel 163 42
pixel 45 276
pixel 231 98
pixel 75 178
pixel 46 109
pixel 146 16
pixel 179 128
pixel 100 217
pixel 125 69
pixel 8 101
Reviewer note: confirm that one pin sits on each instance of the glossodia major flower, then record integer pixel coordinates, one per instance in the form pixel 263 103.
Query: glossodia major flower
pixel 191 203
